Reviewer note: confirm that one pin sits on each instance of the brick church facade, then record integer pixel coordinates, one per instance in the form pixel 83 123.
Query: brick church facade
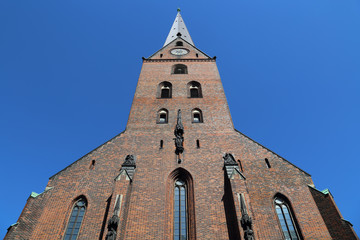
pixel 181 171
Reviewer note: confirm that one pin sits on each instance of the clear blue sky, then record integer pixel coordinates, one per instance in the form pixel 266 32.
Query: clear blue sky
pixel 68 72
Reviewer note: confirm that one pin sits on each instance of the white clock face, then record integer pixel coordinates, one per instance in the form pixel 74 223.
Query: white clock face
pixel 179 51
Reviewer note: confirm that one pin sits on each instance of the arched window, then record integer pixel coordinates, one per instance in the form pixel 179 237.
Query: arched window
pixel 76 217
pixel 180 69
pixel 286 219
pixel 196 116
pixel 180 210
pixel 162 116
pixel 165 90
pixel 182 205
pixel 194 90
pixel 179 43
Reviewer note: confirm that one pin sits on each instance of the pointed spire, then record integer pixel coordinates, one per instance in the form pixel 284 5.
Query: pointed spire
pixel 178 29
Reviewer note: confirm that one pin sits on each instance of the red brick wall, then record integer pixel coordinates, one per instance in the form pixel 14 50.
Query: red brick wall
pixel 338 227
pixel 146 205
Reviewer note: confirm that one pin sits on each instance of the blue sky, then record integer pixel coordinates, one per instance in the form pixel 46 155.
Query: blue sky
pixel 68 72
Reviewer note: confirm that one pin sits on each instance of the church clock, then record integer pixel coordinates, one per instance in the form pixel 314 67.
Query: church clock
pixel 179 51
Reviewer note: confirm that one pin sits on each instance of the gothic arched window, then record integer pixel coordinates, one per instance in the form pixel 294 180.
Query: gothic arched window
pixel 165 90
pixel 162 116
pixel 196 116
pixel 194 90
pixel 76 217
pixel 180 210
pixel 182 205
pixel 180 69
pixel 286 219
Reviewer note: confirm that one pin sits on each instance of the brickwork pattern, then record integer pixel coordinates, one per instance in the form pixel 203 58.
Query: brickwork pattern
pixel 338 227
pixel 146 209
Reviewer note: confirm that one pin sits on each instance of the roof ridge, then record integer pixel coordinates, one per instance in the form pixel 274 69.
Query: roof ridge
pixel 87 154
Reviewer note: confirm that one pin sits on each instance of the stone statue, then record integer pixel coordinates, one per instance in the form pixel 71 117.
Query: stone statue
pixel 246 222
pixel 114 221
pixel 178 132
pixel 179 144
pixel 112 227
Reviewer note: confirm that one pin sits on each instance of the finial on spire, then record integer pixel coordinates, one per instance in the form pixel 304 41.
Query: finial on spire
pixel 178 27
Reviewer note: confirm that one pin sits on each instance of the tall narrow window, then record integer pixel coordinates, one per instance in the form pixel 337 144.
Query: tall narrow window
pixel 164 90
pixel 179 69
pixel 196 116
pixel 162 116
pixel 180 211
pixel 74 224
pixel 194 90
pixel 287 223
pixel 183 224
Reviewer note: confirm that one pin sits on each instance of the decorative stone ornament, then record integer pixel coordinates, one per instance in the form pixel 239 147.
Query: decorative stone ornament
pixel 128 167
pixel 129 161
pixel 231 167
pixel 179 132
pixel 229 159
pixel 179 51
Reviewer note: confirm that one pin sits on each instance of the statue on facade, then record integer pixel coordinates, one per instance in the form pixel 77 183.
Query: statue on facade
pixel 112 227
pixel 246 221
pixel 179 132
pixel 113 222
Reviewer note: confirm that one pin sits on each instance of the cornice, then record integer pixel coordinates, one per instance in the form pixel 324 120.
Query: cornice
pixel 180 60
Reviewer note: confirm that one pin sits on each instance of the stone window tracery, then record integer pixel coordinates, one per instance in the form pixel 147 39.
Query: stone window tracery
pixel 180 210
pixel 286 219
pixel 75 220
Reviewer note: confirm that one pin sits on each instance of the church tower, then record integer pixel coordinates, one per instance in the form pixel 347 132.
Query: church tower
pixel 180 170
